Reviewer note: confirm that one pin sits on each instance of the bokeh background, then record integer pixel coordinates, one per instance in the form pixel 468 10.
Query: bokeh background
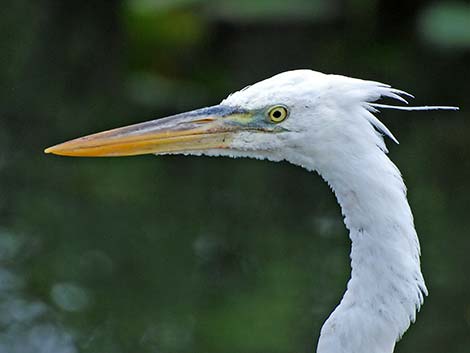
pixel 189 255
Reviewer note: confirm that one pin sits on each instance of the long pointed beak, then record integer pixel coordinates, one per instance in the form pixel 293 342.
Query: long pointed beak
pixel 207 128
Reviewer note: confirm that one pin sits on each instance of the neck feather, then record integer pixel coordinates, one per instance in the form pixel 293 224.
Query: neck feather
pixel 386 286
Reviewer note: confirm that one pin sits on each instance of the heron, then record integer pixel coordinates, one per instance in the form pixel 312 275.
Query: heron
pixel 327 124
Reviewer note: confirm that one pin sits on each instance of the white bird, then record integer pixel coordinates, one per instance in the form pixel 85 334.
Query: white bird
pixel 323 123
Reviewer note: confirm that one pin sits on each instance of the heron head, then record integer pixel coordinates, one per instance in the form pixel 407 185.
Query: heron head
pixel 294 115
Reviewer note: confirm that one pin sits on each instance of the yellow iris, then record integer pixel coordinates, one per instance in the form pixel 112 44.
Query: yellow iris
pixel 278 113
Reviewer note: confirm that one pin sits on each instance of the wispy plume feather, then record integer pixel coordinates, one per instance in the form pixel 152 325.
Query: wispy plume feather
pixel 424 107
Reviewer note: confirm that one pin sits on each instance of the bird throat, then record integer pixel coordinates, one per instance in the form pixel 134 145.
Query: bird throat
pixel 386 286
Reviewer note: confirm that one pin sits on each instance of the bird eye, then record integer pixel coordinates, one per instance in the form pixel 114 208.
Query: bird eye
pixel 278 113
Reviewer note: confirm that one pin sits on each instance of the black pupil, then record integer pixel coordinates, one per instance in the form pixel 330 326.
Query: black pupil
pixel 277 114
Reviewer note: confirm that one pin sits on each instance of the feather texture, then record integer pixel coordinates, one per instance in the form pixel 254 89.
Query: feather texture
pixel 332 130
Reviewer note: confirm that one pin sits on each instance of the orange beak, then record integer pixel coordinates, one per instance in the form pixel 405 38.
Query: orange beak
pixel 202 129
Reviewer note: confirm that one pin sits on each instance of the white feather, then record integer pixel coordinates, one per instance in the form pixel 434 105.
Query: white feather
pixel 332 130
pixel 424 107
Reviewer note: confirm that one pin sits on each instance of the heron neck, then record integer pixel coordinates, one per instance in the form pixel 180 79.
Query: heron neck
pixel 386 286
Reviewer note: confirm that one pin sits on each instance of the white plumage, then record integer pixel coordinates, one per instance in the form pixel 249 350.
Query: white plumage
pixel 331 129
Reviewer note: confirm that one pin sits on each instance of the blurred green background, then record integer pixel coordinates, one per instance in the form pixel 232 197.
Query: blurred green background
pixel 180 255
